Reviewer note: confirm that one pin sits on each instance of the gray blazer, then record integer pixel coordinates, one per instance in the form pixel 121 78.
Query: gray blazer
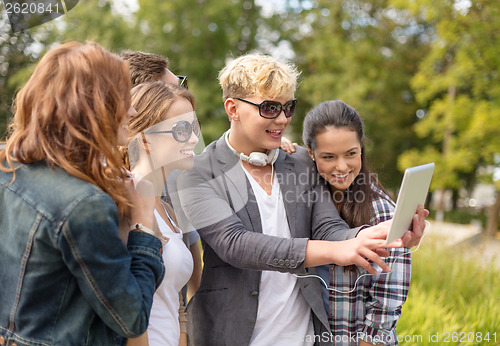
pixel 218 200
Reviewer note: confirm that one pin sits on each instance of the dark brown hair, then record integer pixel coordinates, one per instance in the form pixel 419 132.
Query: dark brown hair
pixel 145 67
pixel 337 114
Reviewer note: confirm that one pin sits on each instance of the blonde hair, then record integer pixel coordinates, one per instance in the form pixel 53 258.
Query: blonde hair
pixel 68 114
pixel 152 102
pixel 257 74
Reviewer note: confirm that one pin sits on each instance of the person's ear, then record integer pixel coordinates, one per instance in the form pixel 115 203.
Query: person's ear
pixel 311 154
pixel 231 109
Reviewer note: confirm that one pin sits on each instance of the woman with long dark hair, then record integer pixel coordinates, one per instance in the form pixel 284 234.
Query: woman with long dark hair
pixel 366 307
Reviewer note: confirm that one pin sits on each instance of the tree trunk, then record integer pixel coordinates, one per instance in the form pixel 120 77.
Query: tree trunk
pixel 440 205
pixel 452 91
pixel 454 199
pixel 492 223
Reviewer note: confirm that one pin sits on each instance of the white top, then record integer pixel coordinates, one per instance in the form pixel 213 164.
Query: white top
pixel 164 326
pixel 283 314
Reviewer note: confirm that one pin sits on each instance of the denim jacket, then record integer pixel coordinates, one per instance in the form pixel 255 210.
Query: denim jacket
pixel 66 278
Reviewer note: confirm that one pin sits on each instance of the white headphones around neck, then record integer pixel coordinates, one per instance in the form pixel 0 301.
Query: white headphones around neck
pixel 255 158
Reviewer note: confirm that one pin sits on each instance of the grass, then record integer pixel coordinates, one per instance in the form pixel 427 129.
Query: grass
pixel 464 216
pixel 453 297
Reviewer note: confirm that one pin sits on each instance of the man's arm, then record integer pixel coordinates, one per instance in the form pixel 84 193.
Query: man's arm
pixel 328 225
pixel 215 221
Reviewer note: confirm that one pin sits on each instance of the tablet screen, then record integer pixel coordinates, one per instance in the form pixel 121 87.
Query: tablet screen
pixel 413 191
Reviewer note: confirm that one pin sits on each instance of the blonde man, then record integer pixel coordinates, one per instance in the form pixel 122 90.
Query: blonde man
pixel 256 210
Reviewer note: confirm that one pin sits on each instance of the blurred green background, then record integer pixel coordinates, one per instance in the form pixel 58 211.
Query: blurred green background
pixel 454 294
pixel 424 75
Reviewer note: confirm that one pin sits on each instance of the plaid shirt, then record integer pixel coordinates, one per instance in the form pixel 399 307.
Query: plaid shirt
pixel 371 311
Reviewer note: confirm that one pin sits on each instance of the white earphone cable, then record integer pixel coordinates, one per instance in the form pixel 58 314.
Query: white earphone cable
pixel 427 227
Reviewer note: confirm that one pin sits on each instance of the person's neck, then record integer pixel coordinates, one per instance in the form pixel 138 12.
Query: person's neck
pixel 242 147
pixel 158 203
pixel 253 168
pixel 157 177
pixel 263 175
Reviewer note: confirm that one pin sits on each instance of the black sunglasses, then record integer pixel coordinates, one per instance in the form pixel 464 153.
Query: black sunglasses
pixel 183 81
pixel 182 130
pixel 272 109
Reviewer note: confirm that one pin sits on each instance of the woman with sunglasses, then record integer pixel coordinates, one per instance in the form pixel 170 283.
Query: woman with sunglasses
pixel 67 278
pixel 149 67
pixel 162 138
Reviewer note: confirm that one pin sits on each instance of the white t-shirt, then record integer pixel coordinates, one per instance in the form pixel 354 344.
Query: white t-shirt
pixel 164 326
pixel 283 314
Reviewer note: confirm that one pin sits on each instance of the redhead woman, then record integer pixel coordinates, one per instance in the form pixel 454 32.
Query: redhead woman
pixel 67 278
pixel 162 138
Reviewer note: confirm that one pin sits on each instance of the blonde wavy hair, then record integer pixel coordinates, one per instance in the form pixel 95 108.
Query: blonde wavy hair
pixel 68 114
pixel 152 102
pixel 257 74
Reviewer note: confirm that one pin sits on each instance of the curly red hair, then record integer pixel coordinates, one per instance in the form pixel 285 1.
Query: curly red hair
pixel 68 114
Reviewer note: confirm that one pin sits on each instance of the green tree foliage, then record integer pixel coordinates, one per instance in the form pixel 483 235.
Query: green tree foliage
pixel 459 83
pixel 15 54
pixel 90 20
pixel 101 21
pixel 198 36
pixel 363 53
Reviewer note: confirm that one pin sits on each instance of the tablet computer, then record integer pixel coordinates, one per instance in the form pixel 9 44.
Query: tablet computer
pixel 413 192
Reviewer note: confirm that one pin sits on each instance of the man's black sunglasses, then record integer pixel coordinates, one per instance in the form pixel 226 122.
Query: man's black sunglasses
pixel 272 109
pixel 182 130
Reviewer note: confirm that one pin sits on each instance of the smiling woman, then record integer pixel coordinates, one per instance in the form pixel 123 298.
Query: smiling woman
pixel 338 156
pixel 333 133
pixel 162 138
pixel 164 133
